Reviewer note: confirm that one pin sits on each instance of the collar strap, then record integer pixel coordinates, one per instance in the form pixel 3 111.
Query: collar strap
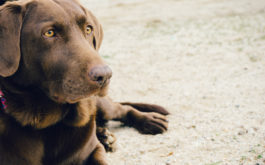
pixel 2 101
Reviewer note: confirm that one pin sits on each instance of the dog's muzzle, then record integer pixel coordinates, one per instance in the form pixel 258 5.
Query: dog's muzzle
pixel 100 74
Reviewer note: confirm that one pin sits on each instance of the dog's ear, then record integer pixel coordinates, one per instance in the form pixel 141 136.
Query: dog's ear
pixel 98 31
pixel 10 26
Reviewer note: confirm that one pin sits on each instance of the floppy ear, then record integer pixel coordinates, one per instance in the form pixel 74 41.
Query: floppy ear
pixel 10 26
pixel 98 31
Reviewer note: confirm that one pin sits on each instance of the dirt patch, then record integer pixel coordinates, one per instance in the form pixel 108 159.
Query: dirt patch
pixel 204 60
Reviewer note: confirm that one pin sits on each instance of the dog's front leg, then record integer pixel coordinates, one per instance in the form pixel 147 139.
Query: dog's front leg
pixel 146 118
pixel 98 156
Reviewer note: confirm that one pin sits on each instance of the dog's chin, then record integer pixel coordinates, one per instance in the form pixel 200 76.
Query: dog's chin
pixel 103 91
pixel 69 99
pixel 72 99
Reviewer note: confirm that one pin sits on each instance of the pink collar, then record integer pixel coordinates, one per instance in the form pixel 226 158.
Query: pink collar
pixel 2 101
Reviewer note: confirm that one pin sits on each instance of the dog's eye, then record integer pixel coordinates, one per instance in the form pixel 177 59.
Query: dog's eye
pixel 49 33
pixel 89 29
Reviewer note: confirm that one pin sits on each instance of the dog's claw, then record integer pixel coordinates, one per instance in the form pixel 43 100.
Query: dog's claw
pixel 147 118
pixel 147 123
pixel 153 123
pixel 107 139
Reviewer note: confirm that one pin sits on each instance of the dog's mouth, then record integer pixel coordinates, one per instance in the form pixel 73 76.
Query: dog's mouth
pixel 64 100
pixel 72 95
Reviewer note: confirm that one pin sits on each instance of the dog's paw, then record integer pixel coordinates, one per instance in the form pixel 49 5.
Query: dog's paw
pixel 148 122
pixel 148 107
pixel 107 139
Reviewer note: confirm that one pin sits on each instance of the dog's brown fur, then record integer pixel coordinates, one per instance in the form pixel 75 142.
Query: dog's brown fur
pixel 52 99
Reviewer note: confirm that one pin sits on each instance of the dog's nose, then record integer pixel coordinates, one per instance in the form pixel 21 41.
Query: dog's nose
pixel 100 74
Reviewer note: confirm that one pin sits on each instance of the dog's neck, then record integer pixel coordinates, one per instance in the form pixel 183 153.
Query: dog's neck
pixel 28 106
pixel 31 107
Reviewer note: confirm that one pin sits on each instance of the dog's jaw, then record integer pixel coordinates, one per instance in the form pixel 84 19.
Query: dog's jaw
pixel 66 98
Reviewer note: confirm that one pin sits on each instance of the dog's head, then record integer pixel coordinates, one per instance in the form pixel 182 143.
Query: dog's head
pixel 53 44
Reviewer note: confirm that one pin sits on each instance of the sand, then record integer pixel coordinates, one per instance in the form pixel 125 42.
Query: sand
pixel 204 60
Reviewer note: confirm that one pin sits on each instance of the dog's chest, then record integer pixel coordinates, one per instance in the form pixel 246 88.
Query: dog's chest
pixel 63 144
pixel 55 145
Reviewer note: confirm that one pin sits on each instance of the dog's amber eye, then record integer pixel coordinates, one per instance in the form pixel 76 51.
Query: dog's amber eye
pixel 89 29
pixel 49 33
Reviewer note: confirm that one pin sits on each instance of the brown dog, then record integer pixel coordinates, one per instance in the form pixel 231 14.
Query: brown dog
pixel 53 81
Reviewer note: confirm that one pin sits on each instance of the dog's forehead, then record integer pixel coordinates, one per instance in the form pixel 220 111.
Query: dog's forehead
pixel 72 7
pixel 59 10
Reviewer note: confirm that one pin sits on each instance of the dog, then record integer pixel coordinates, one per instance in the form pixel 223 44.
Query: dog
pixel 53 87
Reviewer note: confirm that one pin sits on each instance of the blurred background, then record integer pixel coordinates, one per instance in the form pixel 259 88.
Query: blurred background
pixel 204 60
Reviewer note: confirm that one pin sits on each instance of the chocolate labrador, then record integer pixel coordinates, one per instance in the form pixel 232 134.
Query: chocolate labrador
pixel 53 87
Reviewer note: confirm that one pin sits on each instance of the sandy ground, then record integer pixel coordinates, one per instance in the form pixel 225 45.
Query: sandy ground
pixel 204 60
